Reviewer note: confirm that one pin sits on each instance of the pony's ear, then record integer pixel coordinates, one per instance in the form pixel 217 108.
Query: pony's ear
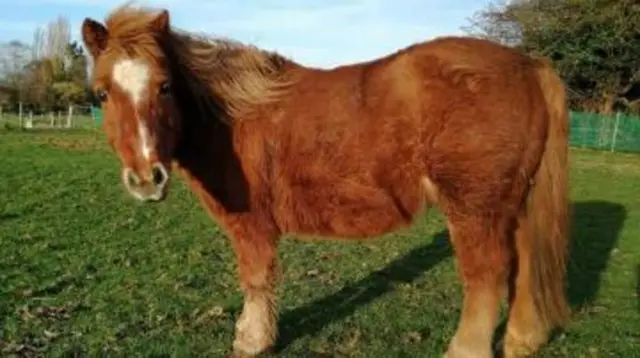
pixel 94 36
pixel 161 22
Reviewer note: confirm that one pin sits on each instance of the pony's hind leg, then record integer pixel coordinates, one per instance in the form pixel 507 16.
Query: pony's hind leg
pixel 526 332
pixel 256 329
pixel 483 257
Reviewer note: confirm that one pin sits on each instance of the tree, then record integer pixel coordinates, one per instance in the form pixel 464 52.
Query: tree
pixel 594 43
pixel 14 57
pixel 50 73
pixel 497 22
pixel 56 74
pixel 77 70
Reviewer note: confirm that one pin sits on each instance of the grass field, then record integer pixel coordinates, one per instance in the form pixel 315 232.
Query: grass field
pixel 87 271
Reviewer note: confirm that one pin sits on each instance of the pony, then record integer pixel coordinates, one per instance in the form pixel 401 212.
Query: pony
pixel 272 147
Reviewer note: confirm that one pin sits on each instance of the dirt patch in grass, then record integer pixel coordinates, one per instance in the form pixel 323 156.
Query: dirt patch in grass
pixel 73 143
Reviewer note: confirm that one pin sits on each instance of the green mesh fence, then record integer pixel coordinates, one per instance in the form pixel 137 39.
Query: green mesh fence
pixel 96 113
pixel 617 132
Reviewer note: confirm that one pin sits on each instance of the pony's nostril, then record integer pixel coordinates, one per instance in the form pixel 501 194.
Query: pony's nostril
pixel 159 175
pixel 131 178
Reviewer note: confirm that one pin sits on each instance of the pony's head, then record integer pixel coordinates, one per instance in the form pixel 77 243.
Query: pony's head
pixel 132 80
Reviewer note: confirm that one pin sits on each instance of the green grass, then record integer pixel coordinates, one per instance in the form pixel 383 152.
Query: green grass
pixel 86 270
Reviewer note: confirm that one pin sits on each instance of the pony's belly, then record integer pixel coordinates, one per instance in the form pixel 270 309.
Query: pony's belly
pixel 347 211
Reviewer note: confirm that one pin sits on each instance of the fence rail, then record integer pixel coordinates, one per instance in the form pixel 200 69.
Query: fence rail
pixel 618 132
pixel 75 116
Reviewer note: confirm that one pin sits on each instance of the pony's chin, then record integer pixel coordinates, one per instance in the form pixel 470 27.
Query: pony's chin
pixel 157 197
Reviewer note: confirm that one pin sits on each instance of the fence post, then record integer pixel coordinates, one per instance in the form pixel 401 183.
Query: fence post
pixel 615 131
pixel 20 114
pixel 69 115
pixel 29 122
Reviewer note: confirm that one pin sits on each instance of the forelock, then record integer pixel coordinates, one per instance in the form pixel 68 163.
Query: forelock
pixel 131 35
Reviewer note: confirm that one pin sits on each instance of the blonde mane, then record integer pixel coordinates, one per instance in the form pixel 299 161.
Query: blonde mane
pixel 238 75
pixel 242 76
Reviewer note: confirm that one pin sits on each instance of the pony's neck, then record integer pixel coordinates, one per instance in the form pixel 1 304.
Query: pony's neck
pixel 227 76
pixel 219 84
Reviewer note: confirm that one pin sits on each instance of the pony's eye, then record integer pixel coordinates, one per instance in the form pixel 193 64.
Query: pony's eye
pixel 165 88
pixel 101 94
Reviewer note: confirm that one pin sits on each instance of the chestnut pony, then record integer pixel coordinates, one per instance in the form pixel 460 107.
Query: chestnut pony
pixel 272 147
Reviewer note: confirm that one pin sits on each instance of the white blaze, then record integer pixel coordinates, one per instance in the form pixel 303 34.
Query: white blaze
pixel 143 132
pixel 133 78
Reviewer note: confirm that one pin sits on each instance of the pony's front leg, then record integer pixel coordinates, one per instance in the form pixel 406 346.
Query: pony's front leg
pixel 256 329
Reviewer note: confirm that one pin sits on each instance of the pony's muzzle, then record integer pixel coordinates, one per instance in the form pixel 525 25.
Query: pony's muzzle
pixel 150 186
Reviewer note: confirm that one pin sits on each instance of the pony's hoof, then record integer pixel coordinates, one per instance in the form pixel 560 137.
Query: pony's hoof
pixel 251 345
pixel 517 351
pixel 516 348
pixel 455 351
pixel 241 350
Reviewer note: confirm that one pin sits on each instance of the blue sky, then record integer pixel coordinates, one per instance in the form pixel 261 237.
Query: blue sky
pixel 321 33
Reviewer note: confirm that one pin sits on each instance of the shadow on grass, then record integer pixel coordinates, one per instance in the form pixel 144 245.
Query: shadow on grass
pixel 596 227
pixel 8 216
pixel 23 212
pixel 311 318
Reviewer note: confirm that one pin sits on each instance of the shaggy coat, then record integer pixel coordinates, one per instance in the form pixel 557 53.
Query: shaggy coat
pixel 272 147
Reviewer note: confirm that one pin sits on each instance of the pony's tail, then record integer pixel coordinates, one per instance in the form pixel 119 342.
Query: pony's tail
pixel 546 223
